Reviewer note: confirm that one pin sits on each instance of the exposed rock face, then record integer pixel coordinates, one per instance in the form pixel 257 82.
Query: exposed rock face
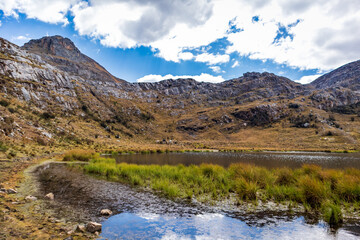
pixel 262 115
pixel 347 76
pixel 62 53
pixel 339 87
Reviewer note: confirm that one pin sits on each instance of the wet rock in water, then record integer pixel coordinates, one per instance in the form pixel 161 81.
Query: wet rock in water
pixel 11 191
pixel 30 198
pixel 80 228
pixel 93 227
pixel 49 196
pixel 106 212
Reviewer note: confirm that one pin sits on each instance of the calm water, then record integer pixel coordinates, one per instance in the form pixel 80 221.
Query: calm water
pixel 266 159
pixel 212 226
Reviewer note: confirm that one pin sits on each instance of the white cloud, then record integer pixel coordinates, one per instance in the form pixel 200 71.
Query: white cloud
pixel 308 79
pixel 22 38
pixel 204 77
pixel 326 36
pixel 235 64
pixel 186 56
pixel 212 59
pixel 215 69
pixel 51 11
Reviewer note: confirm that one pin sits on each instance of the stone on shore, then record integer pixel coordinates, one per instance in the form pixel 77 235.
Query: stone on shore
pixel 106 212
pixel 93 227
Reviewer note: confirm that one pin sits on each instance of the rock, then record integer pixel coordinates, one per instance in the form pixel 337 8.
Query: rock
pixel 2 190
pixel 30 198
pixel 96 233
pixel 106 212
pixel 93 227
pixel 69 238
pixel 80 228
pixel 49 196
pixel 11 191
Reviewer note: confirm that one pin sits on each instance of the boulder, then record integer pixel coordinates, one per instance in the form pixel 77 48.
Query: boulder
pixel 93 227
pixel 11 191
pixel 49 196
pixel 80 228
pixel 106 212
pixel 30 198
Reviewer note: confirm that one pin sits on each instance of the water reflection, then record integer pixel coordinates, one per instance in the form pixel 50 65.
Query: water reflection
pixel 211 226
pixel 266 159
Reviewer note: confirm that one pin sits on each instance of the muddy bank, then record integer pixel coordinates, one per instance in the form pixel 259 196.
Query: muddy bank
pixel 81 197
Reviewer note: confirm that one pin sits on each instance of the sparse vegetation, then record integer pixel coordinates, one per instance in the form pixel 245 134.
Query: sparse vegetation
pixel 79 155
pixel 317 189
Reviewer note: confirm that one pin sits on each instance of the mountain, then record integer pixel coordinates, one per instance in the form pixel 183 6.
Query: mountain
pixel 347 76
pixel 340 87
pixel 62 53
pixel 51 92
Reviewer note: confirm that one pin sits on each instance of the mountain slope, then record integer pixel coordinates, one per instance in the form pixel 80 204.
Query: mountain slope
pixel 347 76
pixel 51 93
pixel 62 53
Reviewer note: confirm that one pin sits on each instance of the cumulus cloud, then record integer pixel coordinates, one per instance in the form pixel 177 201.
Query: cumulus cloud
pixel 204 77
pixel 51 11
pixel 308 79
pixel 305 34
pixel 122 23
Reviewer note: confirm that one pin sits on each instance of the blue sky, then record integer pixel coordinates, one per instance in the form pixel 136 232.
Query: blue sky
pixel 208 40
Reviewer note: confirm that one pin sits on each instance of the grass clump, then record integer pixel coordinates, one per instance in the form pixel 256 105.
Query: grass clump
pixel 79 155
pixel 321 190
pixel 3 147
pixel 332 214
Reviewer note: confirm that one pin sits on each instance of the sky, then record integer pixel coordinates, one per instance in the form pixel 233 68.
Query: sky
pixel 208 40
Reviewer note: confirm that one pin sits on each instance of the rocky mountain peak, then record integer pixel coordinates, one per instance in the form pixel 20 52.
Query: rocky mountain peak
pixel 62 53
pixel 55 45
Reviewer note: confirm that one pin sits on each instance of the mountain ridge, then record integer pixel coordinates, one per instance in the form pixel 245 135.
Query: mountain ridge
pixel 56 89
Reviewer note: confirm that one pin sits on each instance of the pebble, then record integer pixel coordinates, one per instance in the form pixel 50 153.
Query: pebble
pixel 30 198
pixel 106 212
pixel 81 228
pixel 49 196
pixel 93 227
pixel 11 191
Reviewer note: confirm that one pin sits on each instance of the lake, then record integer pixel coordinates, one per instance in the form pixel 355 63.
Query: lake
pixel 264 159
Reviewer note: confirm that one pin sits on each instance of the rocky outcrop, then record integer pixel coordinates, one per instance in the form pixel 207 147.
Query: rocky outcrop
pixel 262 115
pixel 62 53
pixel 347 76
